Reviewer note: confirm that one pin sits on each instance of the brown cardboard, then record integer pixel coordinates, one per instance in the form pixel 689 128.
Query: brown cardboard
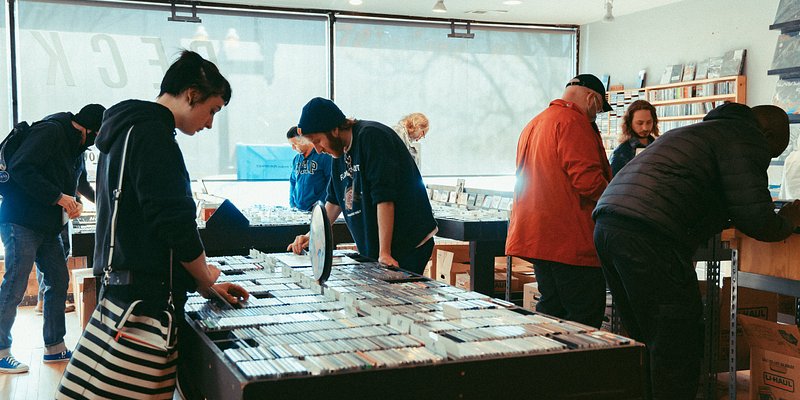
pixel 459 249
pixel 751 302
pixel 500 283
pixel 84 287
pixel 530 295
pixel 774 359
pixel 447 269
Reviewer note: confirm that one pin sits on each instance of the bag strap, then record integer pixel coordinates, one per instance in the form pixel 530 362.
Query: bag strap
pixel 116 196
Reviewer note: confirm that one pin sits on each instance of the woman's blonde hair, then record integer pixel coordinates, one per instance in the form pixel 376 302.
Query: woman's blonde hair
pixel 415 120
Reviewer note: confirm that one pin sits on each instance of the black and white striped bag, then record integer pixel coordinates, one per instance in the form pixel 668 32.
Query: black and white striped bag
pixel 122 355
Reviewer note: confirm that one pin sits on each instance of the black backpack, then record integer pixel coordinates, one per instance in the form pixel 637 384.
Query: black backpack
pixel 8 147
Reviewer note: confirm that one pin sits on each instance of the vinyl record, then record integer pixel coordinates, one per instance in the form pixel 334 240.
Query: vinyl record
pixel 320 244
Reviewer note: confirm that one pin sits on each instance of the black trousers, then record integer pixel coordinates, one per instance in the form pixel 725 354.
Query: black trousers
pixel 571 292
pixel 654 285
pixel 416 260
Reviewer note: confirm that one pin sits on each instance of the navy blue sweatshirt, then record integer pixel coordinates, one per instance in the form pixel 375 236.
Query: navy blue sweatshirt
pixel 380 169
pixel 156 210
pixel 309 180
pixel 46 164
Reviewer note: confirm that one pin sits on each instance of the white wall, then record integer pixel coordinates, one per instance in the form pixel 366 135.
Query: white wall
pixel 684 32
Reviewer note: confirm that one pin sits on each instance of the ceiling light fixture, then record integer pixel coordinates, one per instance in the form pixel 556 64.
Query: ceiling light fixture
pixel 512 2
pixel 356 2
pixel 439 7
pixel 609 17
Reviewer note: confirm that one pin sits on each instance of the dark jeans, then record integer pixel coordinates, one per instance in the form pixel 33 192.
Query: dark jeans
pixel 416 260
pixel 654 285
pixel 571 292
pixel 23 247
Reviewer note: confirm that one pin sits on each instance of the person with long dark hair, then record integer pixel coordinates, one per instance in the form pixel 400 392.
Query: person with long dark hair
pixel 639 128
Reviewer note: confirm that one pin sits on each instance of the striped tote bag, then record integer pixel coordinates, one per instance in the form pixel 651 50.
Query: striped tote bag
pixel 122 355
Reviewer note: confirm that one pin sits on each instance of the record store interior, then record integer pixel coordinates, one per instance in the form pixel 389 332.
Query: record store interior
pixel 416 199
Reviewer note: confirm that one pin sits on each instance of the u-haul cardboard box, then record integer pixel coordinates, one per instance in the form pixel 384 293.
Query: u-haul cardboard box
pixel 774 359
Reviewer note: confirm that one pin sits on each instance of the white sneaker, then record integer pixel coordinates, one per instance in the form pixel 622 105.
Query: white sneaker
pixel 10 365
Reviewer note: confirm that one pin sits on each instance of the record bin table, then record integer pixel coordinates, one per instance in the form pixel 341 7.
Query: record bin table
pixel 764 266
pixel 487 240
pixel 376 333
pixel 268 238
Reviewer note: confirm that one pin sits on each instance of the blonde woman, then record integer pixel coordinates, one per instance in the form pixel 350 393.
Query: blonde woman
pixel 411 129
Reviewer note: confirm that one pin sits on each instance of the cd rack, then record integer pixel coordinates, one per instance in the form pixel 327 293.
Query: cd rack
pixel 369 321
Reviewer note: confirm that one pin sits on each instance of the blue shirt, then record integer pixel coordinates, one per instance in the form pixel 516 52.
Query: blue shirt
pixel 309 180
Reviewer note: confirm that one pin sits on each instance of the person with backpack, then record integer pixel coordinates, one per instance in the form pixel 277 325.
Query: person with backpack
pixel 38 183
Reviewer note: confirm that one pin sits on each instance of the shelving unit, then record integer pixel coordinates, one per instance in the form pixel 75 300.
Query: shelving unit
pixel 677 104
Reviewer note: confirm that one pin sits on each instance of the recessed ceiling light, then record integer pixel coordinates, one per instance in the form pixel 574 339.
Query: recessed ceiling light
pixel 512 2
pixel 356 2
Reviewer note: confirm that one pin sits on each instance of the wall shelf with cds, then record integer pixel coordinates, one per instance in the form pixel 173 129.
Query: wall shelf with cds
pixel 677 104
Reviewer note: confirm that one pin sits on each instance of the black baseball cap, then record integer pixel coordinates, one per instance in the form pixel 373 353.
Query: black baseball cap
pixel 591 82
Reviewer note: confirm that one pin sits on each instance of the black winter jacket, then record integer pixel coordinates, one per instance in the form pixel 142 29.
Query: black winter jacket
pixel 47 163
pixel 696 180
pixel 156 210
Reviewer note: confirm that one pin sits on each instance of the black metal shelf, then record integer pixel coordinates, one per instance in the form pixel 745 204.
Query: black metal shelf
pixel 788 26
pixel 786 73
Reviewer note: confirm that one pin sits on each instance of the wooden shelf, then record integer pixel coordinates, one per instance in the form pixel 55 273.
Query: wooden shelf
pixel 609 125
pixel 681 117
pixel 701 99
pixel 692 83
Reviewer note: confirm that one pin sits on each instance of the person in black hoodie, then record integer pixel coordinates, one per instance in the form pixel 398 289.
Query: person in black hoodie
pixel 155 219
pixel 377 185
pixel 688 185
pixel 40 198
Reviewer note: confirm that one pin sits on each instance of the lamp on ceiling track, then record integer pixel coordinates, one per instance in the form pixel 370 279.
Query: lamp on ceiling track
pixel 609 17
pixel 439 7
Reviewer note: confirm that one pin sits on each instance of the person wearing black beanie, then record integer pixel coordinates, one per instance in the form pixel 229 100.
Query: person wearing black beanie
pixel 375 183
pixel 38 201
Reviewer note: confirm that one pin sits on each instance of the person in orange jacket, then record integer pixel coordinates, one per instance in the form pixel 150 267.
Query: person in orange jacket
pixel 561 172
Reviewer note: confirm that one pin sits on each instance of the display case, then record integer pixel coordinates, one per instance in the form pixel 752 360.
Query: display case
pixel 372 332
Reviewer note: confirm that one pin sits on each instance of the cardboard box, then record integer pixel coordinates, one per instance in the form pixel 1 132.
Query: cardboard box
pixel 460 251
pixel 774 359
pixel 447 269
pixel 530 295
pixel 500 283
pixel 517 264
pixel 751 302
pixel 462 281
pixel 84 287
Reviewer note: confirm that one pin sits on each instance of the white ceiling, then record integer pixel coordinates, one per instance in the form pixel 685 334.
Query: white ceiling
pixel 572 12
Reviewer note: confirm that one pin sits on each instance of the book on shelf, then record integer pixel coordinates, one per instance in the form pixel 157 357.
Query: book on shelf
pixel 701 72
pixel 787 51
pixel 714 67
pixel 733 62
pixel 787 95
pixel 788 11
pixel 641 79
pixel 666 75
pixel 677 72
pixel 688 72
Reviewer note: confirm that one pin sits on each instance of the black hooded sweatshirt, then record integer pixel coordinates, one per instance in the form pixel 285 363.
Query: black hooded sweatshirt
pixel 47 163
pixel 156 209
pixel 696 180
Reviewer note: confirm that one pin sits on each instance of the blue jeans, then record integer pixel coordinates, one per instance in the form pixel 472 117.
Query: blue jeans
pixel 23 247
pixel 65 242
